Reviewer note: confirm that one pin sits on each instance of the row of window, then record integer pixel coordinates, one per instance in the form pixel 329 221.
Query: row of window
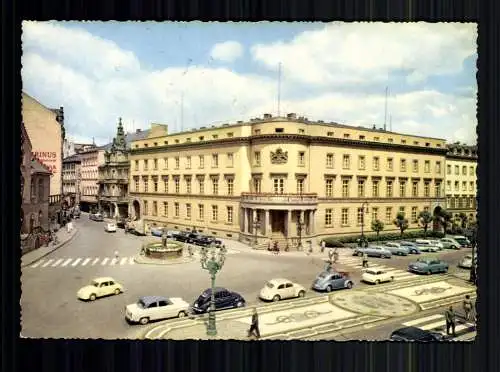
pixel 373 214
pixel 90 190
pixel 114 173
pixel 89 174
pixel 188 210
pixel 457 186
pixel 464 170
pixel 279 186
pixel 461 202
pixel 188 162
pixel 258 132
pixel 257 161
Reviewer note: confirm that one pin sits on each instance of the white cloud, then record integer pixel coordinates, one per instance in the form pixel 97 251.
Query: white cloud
pixel 228 51
pixel 109 83
pixel 360 53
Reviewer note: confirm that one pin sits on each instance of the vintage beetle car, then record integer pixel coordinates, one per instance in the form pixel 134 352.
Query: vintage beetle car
pixel 415 334
pixel 224 299
pixel 331 280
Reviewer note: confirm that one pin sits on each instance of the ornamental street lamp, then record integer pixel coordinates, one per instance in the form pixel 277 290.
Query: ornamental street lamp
pixel 300 226
pixel 363 222
pixel 256 225
pixel 212 262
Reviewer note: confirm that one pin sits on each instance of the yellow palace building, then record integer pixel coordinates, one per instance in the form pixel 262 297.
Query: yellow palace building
pixel 284 178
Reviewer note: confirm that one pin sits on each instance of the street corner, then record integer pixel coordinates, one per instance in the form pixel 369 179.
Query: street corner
pixel 285 321
pixel 432 291
pixel 142 260
pixel 374 303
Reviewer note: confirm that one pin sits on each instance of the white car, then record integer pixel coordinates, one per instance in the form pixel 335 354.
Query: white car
pixel 280 289
pixel 99 287
pixel 466 262
pixel 450 243
pixel 376 276
pixel 438 244
pixel 110 227
pixel 149 308
pixel 426 245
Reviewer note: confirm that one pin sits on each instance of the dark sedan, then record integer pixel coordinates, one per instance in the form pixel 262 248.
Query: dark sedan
pixel 224 299
pixel 182 236
pixel 415 334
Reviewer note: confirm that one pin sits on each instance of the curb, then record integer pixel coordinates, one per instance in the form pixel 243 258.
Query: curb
pixel 137 260
pixel 49 252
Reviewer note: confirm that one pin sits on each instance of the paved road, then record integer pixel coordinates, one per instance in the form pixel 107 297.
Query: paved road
pixel 50 307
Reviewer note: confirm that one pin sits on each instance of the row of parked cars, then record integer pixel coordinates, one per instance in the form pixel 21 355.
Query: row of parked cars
pixel 186 236
pixel 404 248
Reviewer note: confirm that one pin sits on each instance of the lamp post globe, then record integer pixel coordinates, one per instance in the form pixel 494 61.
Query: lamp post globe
pixel 212 259
pixel 362 240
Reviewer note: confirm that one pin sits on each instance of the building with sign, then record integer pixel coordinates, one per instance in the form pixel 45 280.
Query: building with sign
pixel 45 128
pixel 71 177
pixel 461 182
pixel 284 178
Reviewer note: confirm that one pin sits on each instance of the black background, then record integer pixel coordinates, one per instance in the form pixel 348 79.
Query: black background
pixel 98 355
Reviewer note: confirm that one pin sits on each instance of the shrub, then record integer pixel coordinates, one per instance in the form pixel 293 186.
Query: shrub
pixel 333 243
pixel 407 235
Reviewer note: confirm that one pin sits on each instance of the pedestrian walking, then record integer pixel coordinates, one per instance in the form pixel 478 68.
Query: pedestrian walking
pixel 116 255
pixel 254 326
pixel 365 260
pixel 335 255
pixel 450 321
pixel 275 247
pixel 323 246
pixel 190 250
pixel 330 255
pixel 467 307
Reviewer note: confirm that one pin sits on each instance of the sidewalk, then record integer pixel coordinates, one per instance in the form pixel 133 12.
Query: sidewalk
pixel 63 236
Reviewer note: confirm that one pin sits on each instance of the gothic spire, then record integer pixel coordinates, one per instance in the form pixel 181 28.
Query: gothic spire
pixel 120 136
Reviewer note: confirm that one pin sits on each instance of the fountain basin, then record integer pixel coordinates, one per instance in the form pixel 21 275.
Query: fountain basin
pixel 156 250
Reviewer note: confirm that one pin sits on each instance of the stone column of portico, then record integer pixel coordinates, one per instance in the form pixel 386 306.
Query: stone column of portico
pixel 289 224
pixel 266 222
pixel 254 218
pixel 246 227
pixel 312 216
pixel 305 230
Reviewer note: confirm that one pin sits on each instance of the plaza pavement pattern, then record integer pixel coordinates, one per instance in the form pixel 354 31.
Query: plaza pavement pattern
pixel 312 317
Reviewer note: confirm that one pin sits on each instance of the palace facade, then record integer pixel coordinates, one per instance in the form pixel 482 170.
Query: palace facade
pixel 461 181
pixel 284 178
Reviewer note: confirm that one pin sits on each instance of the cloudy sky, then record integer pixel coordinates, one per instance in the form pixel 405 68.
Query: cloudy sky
pixel 189 75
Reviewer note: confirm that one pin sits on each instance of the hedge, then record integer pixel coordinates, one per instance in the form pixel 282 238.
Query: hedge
pixel 339 241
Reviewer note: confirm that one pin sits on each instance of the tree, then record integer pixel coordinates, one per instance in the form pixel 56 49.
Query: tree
pixel 443 219
pixel 464 219
pixel 425 219
pixel 377 226
pixel 401 222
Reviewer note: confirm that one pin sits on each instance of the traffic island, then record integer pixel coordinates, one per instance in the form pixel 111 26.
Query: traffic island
pixel 163 253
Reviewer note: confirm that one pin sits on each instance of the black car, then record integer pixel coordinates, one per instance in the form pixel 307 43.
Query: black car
pixel 214 240
pixel 200 240
pixel 182 236
pixel 415 334
pixel 96 217
pixel 224 299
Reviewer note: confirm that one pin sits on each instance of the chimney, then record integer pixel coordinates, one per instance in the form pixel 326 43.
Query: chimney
pixel 291 116
pixel 267 116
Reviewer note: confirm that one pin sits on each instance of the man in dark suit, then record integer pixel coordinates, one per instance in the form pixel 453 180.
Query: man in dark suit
pixel 450 321
pixel 254 327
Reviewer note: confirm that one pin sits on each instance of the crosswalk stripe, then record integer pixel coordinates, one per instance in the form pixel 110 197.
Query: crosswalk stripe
pixel 123 261
pixel 104 261
pixel 86 261
pixel 76 262
pixel 47 263
pixel 423 320
pixel 38 263
pixel 404 277
pixel 131 260
pixel 65 263
pixel 57 262
pixel 95 261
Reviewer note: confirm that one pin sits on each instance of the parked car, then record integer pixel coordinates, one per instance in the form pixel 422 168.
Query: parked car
pixel 426 245
pixel 330 280
pixel 200 240
pixel 437 243
pixel 450 243
pixel 158 231
pixel 462 240
pixel 77 213
pixel 428 266
pixel 280 289
pixel 213 239
pixel 373 251
pixel 467 261
pixel 415 334
pixel 412 247
pixel 182 236
pixel 150 308
pixel 110 227
pixel 96 217
pixel 396 249
pixel 376 276
pixel 99 287
pixel 224 299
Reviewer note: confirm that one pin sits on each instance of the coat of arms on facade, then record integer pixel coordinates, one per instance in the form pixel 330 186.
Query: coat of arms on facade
pixel 279 157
